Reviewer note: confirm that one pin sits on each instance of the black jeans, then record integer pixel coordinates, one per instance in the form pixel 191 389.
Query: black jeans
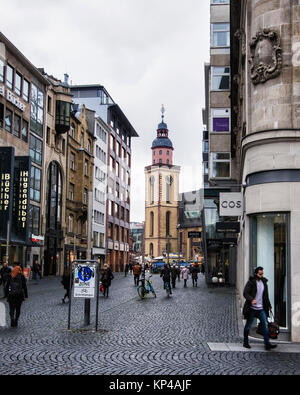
pixel 106 289
pixel 15 309
pixel 136 279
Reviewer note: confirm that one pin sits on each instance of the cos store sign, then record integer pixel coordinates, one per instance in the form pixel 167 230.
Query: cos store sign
pixel 231 204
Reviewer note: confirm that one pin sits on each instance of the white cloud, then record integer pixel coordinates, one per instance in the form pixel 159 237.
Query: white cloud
pixel 145 52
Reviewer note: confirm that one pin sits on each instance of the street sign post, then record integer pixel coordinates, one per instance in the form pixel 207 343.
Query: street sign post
pixel 85 279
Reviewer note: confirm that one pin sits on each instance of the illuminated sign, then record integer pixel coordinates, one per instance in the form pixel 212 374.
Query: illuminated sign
pixel 6 188
pixel 21 199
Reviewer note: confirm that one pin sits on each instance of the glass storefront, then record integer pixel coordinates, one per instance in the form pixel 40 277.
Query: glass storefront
pixel 269 241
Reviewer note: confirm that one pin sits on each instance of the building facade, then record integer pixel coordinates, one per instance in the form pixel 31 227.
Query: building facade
pixel 266 142
pixel 80 176
pixel 162 193
pixel 118 159
pixel 22 126
pixel 220 172
pixel 137 234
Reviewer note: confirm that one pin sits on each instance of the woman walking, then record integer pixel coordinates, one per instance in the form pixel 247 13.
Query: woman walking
pixel 66 283
pixel 106 278
pixel 16 290
pixel 185 275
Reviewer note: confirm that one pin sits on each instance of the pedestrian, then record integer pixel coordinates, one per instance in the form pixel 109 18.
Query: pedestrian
pixel 202 268
pixel 166 276
pixel 130 267
pixel 178 272
pixel 4 276
pixel 36 271
pixel 16 290
pixel 126 269
pixel 137 270
pixel 66 283
pixel 257 305
pixel 185 275
pixel 106 278
pixel 174 275
pixel 195 271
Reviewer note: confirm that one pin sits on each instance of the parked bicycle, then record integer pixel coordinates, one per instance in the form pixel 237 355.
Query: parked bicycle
pixel 145 288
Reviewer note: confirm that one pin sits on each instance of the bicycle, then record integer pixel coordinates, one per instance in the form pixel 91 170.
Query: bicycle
pixel 145 288
pixel 167 287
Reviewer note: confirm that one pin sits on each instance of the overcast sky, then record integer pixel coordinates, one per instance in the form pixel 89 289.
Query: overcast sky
pixel 145 52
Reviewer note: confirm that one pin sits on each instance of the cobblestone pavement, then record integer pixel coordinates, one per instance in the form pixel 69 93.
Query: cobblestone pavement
pixel 155 336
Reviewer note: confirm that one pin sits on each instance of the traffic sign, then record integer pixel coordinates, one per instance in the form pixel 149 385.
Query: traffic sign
pixel 84 281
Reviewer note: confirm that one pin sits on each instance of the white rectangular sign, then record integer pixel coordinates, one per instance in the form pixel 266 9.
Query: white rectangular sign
pixel 84 281
pixel 231 204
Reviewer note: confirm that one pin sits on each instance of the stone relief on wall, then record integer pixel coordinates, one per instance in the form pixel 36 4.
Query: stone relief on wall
pixel 266 56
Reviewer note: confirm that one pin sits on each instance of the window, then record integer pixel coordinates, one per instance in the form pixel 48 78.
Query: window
pixel 160 152
pixel 89 146
pixel 35 150
pixel 151 224
pixel 220 120
pixel 96 239
pixel 72 133
pixel 37 110
pixel 25 90
pixel 220 165
pixel 35 184
pixel 49 105
pixel 71 223
pixel 85 196
pixel 220 1
pixel 34 220
pixel 1 70
pixel 17 126
pixel 48 135
pixel 112 143
pixel 9 76
pixel 62 116
pixel 168 218
pixel 1 115
pixel 220 78
pixel 86 168
pixel 72 161
pixel 169 181
pixel 152 189
pixel 25 131
pixel 79 227
pixel 82 139
pixel 71 192
pixel 8 120
pixel 220 35
pixel 18 84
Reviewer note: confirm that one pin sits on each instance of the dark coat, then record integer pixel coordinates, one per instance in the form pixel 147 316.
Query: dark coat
pixel 250 291
pixel 17 298
pixel 106 277
pixel 166 274
pixel 4 274
pixel 174 273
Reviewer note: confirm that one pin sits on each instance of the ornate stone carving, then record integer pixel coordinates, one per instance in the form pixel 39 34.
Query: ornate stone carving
pixel 266 56
pixel 241 36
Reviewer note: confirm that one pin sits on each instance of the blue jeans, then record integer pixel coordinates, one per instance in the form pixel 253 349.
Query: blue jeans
pixel 261 315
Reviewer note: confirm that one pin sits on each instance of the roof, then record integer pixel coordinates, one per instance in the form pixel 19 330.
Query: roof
pixel 162 142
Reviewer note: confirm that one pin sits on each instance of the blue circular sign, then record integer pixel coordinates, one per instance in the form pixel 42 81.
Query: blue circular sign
pixel 85 273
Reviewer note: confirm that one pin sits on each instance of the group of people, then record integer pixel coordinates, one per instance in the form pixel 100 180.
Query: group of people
pixel 172 273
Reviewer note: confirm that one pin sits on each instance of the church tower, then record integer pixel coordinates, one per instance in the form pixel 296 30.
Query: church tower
pixel 162 192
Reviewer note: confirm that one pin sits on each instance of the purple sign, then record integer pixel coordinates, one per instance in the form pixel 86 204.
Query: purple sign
pixel 221 124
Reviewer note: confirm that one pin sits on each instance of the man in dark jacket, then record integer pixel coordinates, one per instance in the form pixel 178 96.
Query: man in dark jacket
pixel 166 275
pixel 257 305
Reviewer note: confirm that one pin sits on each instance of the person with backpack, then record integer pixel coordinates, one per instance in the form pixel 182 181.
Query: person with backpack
pixel 16 290
pixel 106 278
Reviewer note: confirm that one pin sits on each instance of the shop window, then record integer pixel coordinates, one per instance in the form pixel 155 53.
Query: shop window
pixel 269 241
pixel 220 79
pixel 34 220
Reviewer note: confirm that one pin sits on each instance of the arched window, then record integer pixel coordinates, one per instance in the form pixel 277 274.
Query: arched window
pixel 151 250
pixel 152 189
pixel 151 223
pixel 169 181
pixel 168 219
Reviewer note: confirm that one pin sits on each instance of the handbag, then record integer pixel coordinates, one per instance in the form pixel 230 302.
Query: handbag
pixel 273 328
